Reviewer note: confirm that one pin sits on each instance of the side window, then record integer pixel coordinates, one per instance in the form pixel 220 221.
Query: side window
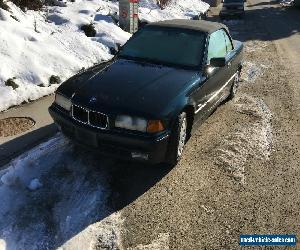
pixel 216 46
pixel 228 42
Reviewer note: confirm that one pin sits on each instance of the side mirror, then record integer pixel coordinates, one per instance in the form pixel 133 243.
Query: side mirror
pixel 217 62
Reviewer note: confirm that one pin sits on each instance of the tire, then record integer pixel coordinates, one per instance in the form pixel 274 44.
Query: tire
pixel 234 86
pixel 178 139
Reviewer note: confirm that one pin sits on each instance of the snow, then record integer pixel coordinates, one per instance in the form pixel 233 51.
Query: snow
pixel 68 211
pixel 179 9
pixel 233 153
pixel 57 48
pixel 108 231
pixel 36 45
pixel 252 71
pixel 35 184
pixel 287 3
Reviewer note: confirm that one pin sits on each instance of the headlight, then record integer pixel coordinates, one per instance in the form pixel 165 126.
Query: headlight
pixel 132 123
pixel 138 124
pixel 63 102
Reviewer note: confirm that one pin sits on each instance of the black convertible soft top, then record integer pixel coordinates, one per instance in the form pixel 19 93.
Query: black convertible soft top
pixel 199 25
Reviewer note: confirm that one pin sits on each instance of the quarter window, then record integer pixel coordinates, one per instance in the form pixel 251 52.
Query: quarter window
pixel 217 45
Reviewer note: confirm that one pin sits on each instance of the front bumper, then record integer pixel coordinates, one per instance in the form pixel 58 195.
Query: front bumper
pixel 119 144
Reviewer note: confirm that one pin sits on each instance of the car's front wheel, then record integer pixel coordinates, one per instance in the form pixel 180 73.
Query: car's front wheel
pixel 178 139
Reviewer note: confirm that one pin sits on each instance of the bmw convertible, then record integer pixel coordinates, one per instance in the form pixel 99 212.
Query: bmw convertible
pixel 146 102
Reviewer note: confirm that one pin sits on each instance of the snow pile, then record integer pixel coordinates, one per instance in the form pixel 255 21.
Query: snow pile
pixel 35 184
pixel 251 141
pixel 251 71
pixel 37 45
pixel 105 234
pixel 177 9
pixel 68 207
pixel 287 3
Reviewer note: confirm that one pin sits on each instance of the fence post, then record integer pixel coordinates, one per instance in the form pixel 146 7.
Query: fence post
pixel 128 15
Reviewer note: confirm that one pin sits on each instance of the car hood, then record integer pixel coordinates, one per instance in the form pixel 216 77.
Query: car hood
pixel 125 86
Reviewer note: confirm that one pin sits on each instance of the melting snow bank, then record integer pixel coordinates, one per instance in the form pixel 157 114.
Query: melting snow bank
pixel 101 235
pixel 54 47
pixel 177 9
pixel 37 45
pixel 54 197
pixel 251 141
pixel 251 71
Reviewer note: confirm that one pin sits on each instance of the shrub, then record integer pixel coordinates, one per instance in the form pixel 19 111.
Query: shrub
pixel 55 3
pixel 89 30
pixel 3 5
pixel 11 83
pixel 28 4
pixel 54 80
pixel 163 3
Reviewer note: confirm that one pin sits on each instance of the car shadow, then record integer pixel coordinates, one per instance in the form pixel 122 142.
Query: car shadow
pixel 130 180
pixel 20 144
pixel 80 187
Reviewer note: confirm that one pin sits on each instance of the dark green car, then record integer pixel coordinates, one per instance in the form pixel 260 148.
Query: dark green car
pixel 145 103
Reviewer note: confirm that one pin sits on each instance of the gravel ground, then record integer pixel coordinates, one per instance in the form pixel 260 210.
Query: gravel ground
pixel 240 171
pixel 15 125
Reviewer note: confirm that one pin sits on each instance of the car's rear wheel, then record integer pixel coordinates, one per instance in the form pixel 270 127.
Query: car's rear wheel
pixel 178 139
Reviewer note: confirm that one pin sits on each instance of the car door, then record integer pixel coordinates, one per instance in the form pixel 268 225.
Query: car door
pixel 231 64
pixel 208 94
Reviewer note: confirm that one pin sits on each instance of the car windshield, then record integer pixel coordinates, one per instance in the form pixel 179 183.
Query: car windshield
pixel 166 46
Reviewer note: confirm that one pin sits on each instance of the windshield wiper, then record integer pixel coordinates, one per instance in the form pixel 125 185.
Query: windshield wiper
pixel 143 59
pixel 131 57
pixel 152 61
